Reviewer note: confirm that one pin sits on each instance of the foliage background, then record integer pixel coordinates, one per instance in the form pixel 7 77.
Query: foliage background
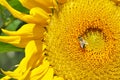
pixel 10 55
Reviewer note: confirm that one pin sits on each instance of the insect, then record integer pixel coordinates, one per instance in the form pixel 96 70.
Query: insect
pixel 82 42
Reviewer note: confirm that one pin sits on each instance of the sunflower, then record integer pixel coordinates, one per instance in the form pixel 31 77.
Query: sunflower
pixel 67 40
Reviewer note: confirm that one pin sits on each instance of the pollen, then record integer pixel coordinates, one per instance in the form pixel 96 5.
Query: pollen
pixel 97 22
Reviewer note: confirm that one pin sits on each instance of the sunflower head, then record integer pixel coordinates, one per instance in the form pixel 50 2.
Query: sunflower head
pixel 83 39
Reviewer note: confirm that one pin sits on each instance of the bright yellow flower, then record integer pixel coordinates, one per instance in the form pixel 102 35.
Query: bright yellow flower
pixel 21 37
pixel 37 15
pixel 81 40
pixel 47 5
pixel 30 36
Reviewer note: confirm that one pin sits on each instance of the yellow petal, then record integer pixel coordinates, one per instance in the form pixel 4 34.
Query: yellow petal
pixel 16 75
pixel 33 53
pixel 21 67
pixel 15 13
pixel 25 17
pixel 25 76
pixel 25 30
pixel 47 3
pixel 48 75
pixel 29 3
pixel 10 39
pixel 40 71
pixel 40 15
pixel 15 40
pixel 23 42
pixel 33 47
pixel 11 74
pixel 44 4
pixel 5 78
pixel 19 71
pixel 25 34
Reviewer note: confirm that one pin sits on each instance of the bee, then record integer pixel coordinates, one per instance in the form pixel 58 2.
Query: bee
pixel 82 42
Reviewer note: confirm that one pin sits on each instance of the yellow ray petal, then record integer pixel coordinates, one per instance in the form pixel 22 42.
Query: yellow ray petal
pixel 25 76
pixel 33 47
pixel 36 18
pixel 15 40
pixel 25 30
pixel 33 52
pixel 5 78
pixel 23 42
pixel 16 75
pixel 29 3
pixel 40 15
pixel 10 39
pixel 21 67
pixel 40 71
pixel 11 74
pixel 47 3
pixel 25 33
pixel 48 75
pixel 44 4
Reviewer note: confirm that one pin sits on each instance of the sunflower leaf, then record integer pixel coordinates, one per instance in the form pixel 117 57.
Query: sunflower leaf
pixel 13 25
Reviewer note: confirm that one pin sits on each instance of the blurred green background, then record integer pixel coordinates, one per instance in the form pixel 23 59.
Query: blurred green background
pixel 10 55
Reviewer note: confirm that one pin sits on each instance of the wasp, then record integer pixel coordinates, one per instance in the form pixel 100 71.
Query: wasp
pixel 82 42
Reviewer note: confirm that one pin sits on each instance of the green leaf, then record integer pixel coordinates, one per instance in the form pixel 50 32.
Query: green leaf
pixel 4 47
pixel 13 26
pixel 18 6
pixel 5 16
